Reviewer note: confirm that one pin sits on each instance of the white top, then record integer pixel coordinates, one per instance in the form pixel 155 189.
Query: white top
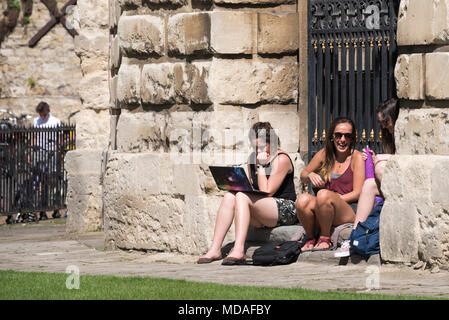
pixel 51 122
pixel 44 141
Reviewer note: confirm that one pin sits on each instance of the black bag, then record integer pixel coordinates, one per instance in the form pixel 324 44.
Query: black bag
pixel 276 253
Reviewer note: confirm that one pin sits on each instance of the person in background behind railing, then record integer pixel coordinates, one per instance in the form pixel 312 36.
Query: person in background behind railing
pixel 46 120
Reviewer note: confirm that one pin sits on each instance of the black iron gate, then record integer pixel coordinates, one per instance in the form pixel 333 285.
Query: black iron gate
pixel 352 54
pixel 32 174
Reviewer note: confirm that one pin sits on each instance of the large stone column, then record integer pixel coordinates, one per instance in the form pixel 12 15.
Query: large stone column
pixel 85 165
pixel 415 218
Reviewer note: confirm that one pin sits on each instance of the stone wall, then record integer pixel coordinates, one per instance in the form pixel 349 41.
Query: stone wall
pixel 415 218
pixel 85 166
pixel 50 71
pixel 188 79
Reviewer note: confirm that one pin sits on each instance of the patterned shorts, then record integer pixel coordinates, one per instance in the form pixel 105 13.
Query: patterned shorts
pixel 287 212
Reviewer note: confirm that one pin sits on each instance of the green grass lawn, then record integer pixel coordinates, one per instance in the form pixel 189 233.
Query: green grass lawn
pixel 33 285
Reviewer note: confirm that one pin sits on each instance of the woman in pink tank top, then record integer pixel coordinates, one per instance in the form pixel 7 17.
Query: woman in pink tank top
pixel 339 171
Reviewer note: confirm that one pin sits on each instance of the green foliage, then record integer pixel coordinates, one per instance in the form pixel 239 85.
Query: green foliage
pixel 31 82
pixel 27 20
pixel 14 4
pixel 30 285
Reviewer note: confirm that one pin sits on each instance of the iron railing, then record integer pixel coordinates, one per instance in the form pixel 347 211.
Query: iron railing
pixel 32 173
pixel 352 54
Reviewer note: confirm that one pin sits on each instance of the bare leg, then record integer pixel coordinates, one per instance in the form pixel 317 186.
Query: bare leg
pixel 225 216
pixel 366 200
pixel 330 211
pixel 379 169
pixel 305 206
pixel 255 210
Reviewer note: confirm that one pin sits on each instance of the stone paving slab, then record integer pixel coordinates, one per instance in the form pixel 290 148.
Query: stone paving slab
pixel 47 248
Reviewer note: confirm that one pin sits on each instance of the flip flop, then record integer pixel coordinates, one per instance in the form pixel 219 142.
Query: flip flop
pixel 230 261
pixel 323 240
pixel 207 260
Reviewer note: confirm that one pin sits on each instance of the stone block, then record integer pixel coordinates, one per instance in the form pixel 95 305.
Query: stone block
pixel 84 213
pixel 422 131
pixel 189 33
pixel 437 85
pixel 141 132
pixel 199 86
pixel 423 22
pixel 231 32
pixel 169 83
pixel 241 81
pixel 94 90
pixel 128 85
pixel 286 125
pixel 142 35
pixel 92 14
pixel 114 52
pixel 79 162
pixel 84 191
pixel 440 182
pixel 409 75
pixel 145 209
pixel 165 83
pixel 277 33
pixel 136 173
pixel 92 129
pixel 113 81
pixel 414 222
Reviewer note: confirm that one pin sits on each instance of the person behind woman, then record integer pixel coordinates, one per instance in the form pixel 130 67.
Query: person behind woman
pixel 387 114
pixel 273 173
pixel 339 171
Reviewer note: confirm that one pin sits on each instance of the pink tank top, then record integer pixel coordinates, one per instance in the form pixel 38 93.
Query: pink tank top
pixel 343 184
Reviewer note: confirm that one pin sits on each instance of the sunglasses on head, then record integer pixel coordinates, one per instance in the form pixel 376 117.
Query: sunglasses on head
pixel 339 135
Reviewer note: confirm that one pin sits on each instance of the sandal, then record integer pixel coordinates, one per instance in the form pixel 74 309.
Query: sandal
pixel 310 242
pixel 323 240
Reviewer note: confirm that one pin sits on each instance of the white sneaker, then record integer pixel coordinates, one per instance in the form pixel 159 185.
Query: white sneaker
pixel 343 251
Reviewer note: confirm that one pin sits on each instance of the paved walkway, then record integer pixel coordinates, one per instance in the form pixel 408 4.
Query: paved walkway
pixel 45 247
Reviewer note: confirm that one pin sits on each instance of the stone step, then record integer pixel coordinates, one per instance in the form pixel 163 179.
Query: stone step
pixel 258 237
pixel 324 257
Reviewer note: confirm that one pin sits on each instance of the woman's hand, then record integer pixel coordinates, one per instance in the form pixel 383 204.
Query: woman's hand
pixel 262 158
pixel 316 179
pixel 365 156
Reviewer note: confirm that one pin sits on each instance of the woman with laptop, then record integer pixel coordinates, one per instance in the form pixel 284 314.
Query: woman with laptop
pixel 272 171
pixel 338 171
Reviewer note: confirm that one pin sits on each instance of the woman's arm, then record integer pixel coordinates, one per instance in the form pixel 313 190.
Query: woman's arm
pixel 358 168
pixel 280 167
pixel 309 173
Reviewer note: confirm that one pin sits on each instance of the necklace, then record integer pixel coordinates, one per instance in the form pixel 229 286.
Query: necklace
pixel 340 164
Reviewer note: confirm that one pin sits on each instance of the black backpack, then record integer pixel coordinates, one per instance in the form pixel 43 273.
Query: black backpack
pixel 276 253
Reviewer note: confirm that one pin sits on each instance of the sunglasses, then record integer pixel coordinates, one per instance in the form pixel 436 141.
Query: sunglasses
pixel 339 135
